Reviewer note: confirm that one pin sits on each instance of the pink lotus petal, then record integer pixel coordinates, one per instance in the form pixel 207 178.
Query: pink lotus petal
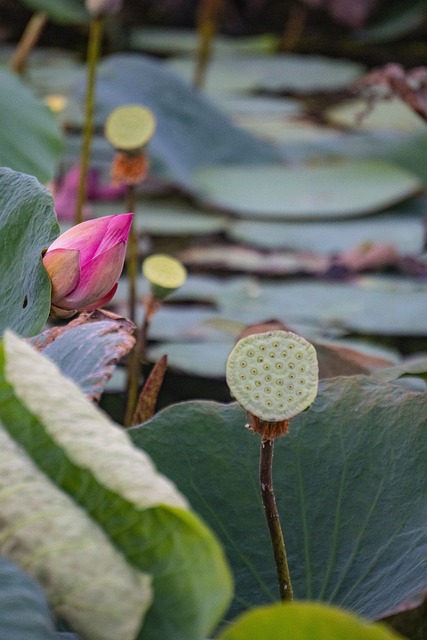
pixel 97 278
pixel 63 267
pixel 94 236
pixel 117 231
pixel 103 301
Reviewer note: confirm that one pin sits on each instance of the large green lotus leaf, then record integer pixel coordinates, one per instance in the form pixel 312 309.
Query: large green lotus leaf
pixel 350 484
pixel 93 461
pixel 30 139
pixel 86 579
pixel 24 614
pixel 304 621
pixel 327 237
pixel 190 130
pixel 330 190
pixel 61 11
pixel 27 226
pixel 290 73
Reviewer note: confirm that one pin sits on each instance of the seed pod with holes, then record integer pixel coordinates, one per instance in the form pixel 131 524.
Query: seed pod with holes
pixel 274 376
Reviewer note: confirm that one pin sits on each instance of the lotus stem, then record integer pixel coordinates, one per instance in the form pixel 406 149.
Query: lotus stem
pixel 136 358
pixel 206 27
pixel 273 520
pixel 29 39
pixel 94 47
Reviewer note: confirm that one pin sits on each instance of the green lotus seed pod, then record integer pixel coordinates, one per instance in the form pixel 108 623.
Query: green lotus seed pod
pixel 130 127
pixel 273 375
pixel 165 275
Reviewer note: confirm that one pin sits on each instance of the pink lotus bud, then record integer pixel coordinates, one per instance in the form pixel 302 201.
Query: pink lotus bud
pixel 84 264
pixel 101 8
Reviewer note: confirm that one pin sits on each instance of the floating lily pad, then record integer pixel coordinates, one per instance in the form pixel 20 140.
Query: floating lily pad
pixel 393 114
pixel 377 306
pixel 405 232
pixel 207 359
pixel 328 190
pixel 287 72
pixel 184 41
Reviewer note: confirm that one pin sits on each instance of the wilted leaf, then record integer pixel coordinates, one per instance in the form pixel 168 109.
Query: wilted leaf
pixel 88 348
pixel 393 80
pixel 147 400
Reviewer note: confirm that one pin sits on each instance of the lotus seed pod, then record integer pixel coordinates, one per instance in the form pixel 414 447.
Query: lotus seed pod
pixel 273 375
pixel 165 275
pixel 130 127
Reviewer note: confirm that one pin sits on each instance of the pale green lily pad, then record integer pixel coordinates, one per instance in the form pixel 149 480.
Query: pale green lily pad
pixel 377 306
pixel 206 359
pixel 383 116
pixel 61 11
pixel 287 72
pixel 258 106
pixel 327 237
pixel 177 219
pixel 328 190
pixel 287 130
pixel 184 42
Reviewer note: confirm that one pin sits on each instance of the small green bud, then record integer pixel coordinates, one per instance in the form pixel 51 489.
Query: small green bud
pixel 165 275
pixel 273 375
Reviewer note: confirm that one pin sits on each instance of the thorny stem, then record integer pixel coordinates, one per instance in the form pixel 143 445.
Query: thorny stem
pixel 136 358
pixel 132 253
pixel 273 521
pixel 29 39
pixel 94 47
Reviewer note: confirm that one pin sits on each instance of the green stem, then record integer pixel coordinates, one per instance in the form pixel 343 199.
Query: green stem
pixel 28 41
pixel 206 27
pixel 132 253
pixel 273 521
pixel 94 47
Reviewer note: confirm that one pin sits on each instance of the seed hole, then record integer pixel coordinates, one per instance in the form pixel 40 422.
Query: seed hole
pixel 25 303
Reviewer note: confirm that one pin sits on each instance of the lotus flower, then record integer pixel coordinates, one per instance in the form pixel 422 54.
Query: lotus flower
pixel 84 264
